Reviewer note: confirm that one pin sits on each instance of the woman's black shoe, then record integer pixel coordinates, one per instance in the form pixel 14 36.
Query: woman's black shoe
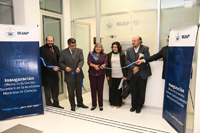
pixel 101 108
pixel 93 108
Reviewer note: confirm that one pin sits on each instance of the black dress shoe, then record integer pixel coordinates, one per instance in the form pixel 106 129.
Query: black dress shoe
pixel 93 108
pixel 132 109
pixel 101 108
pixel 82 105
pixel 138 111
pixel 73 109
pixel 58 106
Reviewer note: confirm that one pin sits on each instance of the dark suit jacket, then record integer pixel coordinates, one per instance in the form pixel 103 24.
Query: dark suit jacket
pixel 76 61
pixel 122 62
pixel 161 54
pixel 49 77
pixel 144 68
pixel 102 60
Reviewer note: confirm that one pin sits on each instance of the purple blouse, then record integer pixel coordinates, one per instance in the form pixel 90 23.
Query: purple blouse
pixel 102 60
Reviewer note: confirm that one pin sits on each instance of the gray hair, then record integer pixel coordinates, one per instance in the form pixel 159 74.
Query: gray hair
pixel 96 45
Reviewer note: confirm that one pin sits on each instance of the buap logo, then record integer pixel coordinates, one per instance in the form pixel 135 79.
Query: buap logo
pixel 109 24
pixel 10 32
pixel 178 37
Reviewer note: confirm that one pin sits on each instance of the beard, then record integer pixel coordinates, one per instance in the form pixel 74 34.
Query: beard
pixel 50 45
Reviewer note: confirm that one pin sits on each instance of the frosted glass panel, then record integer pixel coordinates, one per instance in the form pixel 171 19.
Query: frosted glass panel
pixel 122 28
pixel 83 42
pixel 82 8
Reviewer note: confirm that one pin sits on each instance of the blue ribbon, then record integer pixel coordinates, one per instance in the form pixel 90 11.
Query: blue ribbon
pixel 121 67
pixel 49 66
pixel 80 80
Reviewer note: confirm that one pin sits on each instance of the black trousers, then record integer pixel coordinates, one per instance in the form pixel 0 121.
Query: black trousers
pixel 71 87
pixel 115 97
pixel 51 91
pixel 138 89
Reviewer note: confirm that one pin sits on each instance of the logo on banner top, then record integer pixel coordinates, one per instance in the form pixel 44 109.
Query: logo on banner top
pixel 10 32
pixel 178 37
pixel 109 24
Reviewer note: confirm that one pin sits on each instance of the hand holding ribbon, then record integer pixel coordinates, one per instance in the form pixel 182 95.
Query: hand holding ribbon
pixel 80 80
pixel 138 62
pixel 53 67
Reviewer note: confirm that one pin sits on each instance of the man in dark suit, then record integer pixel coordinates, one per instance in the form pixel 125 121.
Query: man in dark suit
pixel 50 80
pixel 161 54
pixel 137 74
pixel 71 60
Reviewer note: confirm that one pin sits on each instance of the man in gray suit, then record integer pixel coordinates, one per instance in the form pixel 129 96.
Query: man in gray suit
pixel 137 74
pixel 71 60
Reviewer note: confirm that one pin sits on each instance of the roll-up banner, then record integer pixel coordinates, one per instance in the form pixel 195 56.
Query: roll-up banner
pixel 178 74
pixel 20 73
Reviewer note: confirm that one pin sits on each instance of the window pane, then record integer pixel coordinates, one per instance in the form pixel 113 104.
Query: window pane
pixel 6 15
pixel 123 22
pixel 82 8
pixel 51 5
pixel 6 2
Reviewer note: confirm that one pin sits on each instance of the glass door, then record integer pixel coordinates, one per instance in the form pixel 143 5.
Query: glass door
pixel 52 27
pixel 82 35
pixel 51 24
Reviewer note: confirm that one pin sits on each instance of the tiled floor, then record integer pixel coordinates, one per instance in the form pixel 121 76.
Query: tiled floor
pixel 85 121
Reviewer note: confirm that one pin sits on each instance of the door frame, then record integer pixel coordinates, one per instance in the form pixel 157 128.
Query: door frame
pixel 57 16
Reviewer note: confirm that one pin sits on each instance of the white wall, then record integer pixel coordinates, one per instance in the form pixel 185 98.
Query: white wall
pixel 27 12
pixel 66 22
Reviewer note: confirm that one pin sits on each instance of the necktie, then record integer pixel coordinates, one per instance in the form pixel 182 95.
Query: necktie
pixel 52 50
pixel 72 52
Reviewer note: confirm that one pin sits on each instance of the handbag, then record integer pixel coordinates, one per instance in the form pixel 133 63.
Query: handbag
pixel 125 89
